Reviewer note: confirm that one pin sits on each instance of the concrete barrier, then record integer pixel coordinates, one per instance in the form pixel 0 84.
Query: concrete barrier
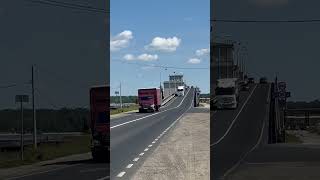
pixel 167 99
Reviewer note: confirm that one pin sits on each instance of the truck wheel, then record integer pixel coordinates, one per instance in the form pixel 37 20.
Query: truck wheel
pixel 140 110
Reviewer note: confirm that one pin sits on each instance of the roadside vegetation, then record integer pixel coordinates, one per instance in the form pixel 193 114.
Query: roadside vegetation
pixel 124 109
pixel 48 120
pixel 70 145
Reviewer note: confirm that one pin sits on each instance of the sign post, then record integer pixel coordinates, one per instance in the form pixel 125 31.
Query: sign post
pixel 21 99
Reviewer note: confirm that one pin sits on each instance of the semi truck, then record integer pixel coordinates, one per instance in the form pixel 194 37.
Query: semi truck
pixel 100 122
pixel 227 93
pixel 180 91
pixel 149 99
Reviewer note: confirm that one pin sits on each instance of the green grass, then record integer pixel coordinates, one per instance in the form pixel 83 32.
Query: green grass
pixel 292 139
pixel 117 111
pixel 71 145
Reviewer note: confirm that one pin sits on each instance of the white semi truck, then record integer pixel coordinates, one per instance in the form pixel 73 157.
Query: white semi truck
pixel 227 93
pixel 180 91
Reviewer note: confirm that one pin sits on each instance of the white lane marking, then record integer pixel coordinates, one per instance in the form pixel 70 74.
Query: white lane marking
pixel 135 159
pixel 234 120
pixel 121 174
pixel 246 154
pixel 129 166
pixel 104 178
pixel 42 172
pixel 118 125
pixel 153 142
pixel 150 145
pixel 141 154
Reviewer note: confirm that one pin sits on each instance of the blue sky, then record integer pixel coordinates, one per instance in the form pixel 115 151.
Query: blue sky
pixel 165 33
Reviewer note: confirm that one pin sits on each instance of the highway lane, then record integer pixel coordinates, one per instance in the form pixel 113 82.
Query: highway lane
pixel 223 118
pixel 135 115
pixel 131 143
pixel 230 142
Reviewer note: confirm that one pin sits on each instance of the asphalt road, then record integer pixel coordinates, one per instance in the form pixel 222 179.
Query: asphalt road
pixel 235 132
pixel 134 137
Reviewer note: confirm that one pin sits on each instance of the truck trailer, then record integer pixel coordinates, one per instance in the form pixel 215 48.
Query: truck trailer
pixel 100 123
pixel 149 99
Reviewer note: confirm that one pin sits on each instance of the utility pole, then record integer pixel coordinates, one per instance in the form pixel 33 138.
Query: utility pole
pixel 22 133
pixel 34 112
pixel 120 97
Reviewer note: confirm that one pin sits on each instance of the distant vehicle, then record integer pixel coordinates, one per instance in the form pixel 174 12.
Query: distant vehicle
pixel 180 91
pixel 251 80
pixel 227 93
pixel 263 80
pixel 149 99
pixel 100 122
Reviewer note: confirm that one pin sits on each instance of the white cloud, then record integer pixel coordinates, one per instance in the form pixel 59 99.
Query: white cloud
pixel 129 57
pixel 142 57
pixel 194 61
pixel 147 57
pixel 201 52
pixel 164 44
pixel 121 40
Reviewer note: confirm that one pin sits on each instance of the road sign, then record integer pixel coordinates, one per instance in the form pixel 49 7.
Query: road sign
pixel 22 98
pixel 116 92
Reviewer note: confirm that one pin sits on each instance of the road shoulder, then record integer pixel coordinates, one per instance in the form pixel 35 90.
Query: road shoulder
pixel 184 153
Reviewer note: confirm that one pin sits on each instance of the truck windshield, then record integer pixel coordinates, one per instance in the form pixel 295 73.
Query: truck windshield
pixel 144 98
pixel 225 91
pixel 180 89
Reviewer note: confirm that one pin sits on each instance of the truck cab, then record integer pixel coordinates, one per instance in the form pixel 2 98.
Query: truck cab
pixel 227 93
pixel 180 91
pixel 149 99
pixel 100 122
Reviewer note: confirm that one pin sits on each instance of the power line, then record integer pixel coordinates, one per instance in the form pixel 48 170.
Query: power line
pixel 265 21
pixel 162 66
pixel 69 5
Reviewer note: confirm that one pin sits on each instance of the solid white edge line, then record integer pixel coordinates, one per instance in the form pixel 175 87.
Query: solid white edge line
pixel 253 148
pixel 121 124
pixel 246 154
pixel 136 159
pixel 234 120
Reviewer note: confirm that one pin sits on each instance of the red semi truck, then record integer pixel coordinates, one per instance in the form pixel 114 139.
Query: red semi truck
pixel 149 99
pixel 100 122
